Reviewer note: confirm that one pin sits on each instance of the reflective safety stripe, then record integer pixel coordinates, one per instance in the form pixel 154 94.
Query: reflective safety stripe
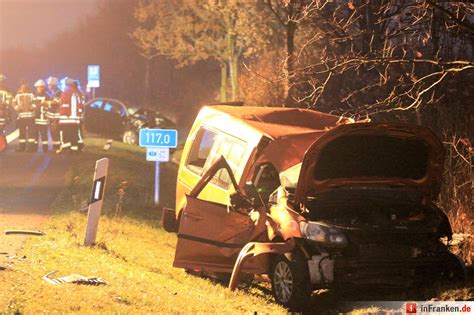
pixel 66 145
pixel 69 121
pixel 74 106
pixel 80 136
pixel 53 115
pixel 45 142
pixel 41 122
pixel 22 140
pixel 74 148
pixel 25 115
pixel 31 140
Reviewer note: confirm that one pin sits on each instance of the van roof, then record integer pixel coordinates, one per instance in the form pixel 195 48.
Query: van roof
pixel 278 122
pixel 292 130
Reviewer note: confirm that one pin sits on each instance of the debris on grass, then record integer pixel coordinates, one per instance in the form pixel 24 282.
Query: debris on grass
pixel 15 257
pixel 108 145
pixel 24 232
pixel 74 278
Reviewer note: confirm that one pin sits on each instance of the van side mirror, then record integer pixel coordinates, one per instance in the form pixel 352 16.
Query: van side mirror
pixel 254 195
pixel 239 201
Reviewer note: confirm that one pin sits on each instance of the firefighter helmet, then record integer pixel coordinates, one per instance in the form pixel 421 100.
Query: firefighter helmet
pixel 52 81
pixel 40 83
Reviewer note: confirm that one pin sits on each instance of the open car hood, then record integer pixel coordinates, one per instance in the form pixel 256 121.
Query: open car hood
pixel 368 154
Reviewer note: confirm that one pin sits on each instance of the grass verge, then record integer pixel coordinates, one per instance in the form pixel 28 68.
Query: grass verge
pixel 133 253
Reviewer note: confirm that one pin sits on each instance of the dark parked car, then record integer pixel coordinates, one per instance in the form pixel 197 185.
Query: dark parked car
pixel 112 118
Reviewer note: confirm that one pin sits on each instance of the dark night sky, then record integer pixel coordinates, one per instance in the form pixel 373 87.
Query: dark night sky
pixel 30 23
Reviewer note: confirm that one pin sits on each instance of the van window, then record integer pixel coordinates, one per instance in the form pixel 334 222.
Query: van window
pixel 200 150
pixel 208 147
pixel 232 149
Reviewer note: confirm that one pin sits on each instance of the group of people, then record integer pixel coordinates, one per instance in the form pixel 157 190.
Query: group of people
pixel 47 107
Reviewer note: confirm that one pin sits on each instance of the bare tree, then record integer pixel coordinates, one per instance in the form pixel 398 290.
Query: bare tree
pixel 383 60
pixel 289 14
pixel 191 30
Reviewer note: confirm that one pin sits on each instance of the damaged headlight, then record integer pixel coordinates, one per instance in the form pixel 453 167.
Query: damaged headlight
pixel 322 233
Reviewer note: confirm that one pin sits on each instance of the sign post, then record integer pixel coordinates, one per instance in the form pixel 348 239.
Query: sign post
pixel 93 78
pixel 96 201
pixel 157 143
pixel 156 196
pixel 157 155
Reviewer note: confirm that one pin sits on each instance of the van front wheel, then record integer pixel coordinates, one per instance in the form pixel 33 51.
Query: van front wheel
pixel 291 284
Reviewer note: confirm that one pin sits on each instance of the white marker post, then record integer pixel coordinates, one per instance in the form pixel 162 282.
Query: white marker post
pixel 97 198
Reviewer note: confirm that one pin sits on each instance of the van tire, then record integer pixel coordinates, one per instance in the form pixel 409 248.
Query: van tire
pixel 291 284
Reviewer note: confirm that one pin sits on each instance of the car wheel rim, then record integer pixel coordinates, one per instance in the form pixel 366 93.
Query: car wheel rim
pixel 283 281
pixel 128 138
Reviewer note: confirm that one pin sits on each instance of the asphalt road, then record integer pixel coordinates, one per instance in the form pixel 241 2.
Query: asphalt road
pixel 29 183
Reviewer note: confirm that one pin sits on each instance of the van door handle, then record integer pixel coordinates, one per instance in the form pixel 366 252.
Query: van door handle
pixel 192 216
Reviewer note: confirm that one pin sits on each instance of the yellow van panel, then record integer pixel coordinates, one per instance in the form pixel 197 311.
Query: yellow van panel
pixel 221 123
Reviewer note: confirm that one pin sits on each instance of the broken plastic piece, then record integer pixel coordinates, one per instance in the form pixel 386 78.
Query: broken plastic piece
pixel 108 145
pixel 78 279
pixel 254 249
pixel 26 232
pixel 15 257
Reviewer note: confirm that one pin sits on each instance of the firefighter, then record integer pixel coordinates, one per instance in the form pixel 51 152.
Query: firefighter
pixel 24 106
pixel 41 102
pixel 5 104
pixel 70 117
pixel 5 95
pixel 53 110
pixel 5 111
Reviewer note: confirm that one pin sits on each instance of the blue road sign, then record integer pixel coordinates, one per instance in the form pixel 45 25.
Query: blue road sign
pixel 164 138
pixel 93 76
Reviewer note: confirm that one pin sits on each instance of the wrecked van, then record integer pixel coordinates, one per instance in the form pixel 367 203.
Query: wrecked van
pixel 312 200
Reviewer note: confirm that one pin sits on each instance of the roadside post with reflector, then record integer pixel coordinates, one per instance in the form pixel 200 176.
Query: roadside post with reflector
pixel 158 143
pixel 96 200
